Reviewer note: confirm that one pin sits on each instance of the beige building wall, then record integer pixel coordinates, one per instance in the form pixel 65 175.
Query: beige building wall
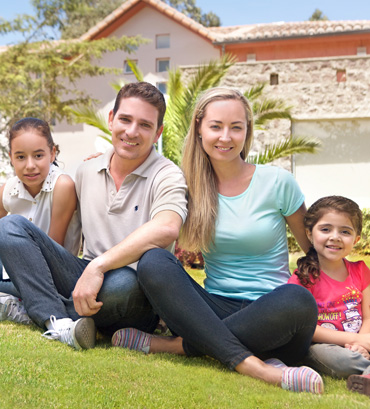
pixel 343 165
pixel 78 141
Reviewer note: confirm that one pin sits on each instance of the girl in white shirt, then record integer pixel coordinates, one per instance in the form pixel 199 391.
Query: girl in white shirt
pixel 40 191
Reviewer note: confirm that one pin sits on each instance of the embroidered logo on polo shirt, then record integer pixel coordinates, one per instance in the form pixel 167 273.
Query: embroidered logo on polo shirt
pixel 136 208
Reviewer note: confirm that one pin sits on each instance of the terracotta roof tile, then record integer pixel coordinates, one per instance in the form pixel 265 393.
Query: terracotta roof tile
pixel 286 30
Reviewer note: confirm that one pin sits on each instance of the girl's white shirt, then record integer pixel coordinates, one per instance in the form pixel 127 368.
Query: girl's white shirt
pixel 17 200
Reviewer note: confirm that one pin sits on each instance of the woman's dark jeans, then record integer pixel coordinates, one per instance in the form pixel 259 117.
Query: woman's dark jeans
pixel 279 324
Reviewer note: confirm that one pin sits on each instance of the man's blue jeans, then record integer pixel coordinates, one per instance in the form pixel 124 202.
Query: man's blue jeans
pixel 280 324
pixel 6 286
pixel 45 275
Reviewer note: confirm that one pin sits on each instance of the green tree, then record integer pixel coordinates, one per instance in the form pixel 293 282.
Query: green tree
pixel 182 98
pixel 318 15
pixel 81 15
pixel 38 76
pixel 190 9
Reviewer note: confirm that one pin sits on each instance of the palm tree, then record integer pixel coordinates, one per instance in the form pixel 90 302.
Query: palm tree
pixel 267 109
pixel 181 101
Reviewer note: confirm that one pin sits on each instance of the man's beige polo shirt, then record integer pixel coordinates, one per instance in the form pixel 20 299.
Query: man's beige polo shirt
pixel 108 216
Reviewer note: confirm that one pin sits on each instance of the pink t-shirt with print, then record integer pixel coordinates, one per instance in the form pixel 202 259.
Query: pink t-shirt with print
pixel 339 303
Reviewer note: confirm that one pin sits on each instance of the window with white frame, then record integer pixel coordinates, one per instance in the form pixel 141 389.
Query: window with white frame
pixel 163 64
pixel 162 41
pixel 162 86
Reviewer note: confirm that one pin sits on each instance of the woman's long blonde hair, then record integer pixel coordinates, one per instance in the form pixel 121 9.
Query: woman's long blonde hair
pixel 199 228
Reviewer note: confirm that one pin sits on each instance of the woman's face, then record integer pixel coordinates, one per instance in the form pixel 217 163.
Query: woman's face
pixel 223 130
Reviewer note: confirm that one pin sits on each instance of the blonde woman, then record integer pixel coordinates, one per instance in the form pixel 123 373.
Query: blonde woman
pixel 245 316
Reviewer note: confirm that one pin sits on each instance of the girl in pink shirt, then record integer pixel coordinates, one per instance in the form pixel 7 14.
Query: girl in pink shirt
pixel 341 289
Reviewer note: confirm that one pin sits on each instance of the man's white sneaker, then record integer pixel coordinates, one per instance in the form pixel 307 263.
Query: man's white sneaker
pixel 12 309
pixel 79 334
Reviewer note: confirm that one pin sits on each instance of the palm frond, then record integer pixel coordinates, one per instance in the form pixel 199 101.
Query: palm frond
pixel 287 147
pixel 89 116
pixel 268 104
pixel 106 138
pixel 117 85
pixel 175 86
pixel 261 120
pixel 255 91
pixel 182 100
pixel 268 109
pixel 135 70
pixel 207 76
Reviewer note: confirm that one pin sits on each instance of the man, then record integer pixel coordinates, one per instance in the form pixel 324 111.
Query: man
pixel 131 200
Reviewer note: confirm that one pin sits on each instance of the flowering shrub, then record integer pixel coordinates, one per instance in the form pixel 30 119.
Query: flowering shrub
pixel 189 258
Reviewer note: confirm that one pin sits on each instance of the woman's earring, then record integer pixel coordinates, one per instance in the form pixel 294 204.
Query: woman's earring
pixel 200 136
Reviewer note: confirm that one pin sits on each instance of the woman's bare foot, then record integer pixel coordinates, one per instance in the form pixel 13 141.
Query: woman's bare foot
pixel 171 345
pixel 273 371
pixel 254 367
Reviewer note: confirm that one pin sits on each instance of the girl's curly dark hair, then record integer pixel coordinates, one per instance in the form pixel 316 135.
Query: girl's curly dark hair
pixel 308 270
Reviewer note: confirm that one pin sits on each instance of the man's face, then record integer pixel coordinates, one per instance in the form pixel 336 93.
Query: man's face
pixel 134 129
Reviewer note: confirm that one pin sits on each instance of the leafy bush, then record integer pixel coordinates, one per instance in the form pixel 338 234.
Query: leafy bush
pixel 293 245
pixel 363 246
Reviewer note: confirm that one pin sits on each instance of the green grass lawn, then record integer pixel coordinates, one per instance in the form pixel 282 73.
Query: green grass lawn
pixel 40 373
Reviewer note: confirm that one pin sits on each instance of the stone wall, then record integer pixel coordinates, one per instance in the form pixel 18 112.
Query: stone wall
pixel 336 113
pixel 310 86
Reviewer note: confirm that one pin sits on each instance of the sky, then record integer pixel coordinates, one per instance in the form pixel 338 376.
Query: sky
pixel 237 12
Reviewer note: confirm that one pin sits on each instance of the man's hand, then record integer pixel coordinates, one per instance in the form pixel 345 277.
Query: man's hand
pixel 86 291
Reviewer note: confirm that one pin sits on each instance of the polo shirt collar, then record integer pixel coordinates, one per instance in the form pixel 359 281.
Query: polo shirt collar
pixel 143 170
pixel 103 161
pixel 47 186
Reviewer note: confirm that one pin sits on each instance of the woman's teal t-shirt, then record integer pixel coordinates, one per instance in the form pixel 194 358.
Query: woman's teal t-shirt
pixel 250 254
